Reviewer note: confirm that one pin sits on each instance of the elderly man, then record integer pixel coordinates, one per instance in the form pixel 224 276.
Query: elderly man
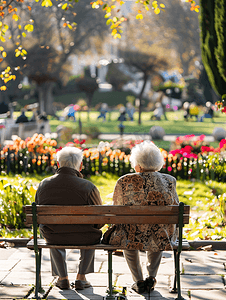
pixel 67 187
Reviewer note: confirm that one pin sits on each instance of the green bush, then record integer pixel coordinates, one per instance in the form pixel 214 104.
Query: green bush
pixel 12 199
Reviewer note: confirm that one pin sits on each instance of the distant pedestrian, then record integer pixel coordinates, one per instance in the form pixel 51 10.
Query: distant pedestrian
pixel 22 118
pixel 158 112
pixel 103 111
pixel 130 110
pixel 194 110
pixel 186 106
pixel 209 112
pixel 122 116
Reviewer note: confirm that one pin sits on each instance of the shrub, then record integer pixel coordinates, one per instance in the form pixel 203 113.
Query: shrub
pixel 12 200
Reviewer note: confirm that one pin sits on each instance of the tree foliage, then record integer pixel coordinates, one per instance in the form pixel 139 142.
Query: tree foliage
pixel 21 10
pixel 116 77
pixel 146 64
pixel 213 41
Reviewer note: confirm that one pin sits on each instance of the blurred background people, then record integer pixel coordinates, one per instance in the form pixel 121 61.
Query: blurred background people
pixel 130 110
pixel 158 112
pixel 22 118
pixel 208 112
pixel 103 111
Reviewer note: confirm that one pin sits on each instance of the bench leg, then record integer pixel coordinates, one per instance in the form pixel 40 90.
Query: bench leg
pixel 38 286
pixel 176 282
pixel 179 297
pixel 174 289
pixel 110 295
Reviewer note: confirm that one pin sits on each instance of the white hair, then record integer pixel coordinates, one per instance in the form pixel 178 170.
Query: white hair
pixel 147 155
pixel 70 157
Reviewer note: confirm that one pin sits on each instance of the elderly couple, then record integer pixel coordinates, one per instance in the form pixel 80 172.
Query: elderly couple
pixel 145 187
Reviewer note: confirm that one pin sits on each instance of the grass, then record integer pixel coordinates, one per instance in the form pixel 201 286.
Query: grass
pixel 205 198
pixel 175 124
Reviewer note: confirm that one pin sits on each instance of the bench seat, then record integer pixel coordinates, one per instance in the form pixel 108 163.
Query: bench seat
pixel 41 243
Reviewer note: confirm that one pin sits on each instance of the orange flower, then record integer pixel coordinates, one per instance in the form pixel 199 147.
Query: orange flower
pixel 53 143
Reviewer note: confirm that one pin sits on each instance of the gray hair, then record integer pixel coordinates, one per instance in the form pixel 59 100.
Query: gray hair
pixel 147 155
pixel 70 157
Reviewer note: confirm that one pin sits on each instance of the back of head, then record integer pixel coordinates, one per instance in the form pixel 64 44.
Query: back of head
pixel 147 155
pixel 158 104
pixel 186 105
pixel 70 157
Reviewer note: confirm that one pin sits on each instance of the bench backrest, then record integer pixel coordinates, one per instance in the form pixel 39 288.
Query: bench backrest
pixel 100 214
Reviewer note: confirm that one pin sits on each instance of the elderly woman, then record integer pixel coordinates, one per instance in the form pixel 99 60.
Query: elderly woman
pixel 146 187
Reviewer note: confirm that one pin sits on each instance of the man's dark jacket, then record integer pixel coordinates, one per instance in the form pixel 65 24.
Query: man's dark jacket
pixel 67 187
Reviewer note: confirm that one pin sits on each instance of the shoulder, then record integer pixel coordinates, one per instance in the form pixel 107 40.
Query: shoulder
pixel 167 177
pixel 129 178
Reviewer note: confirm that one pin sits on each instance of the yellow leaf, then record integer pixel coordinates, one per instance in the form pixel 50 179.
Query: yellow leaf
pixel 17 53
pixel 24 52
pixel 64 6
pixel 2 39
pixel 94 5
pixel 162 5
pixel 29 27
pixel 19 26
pixel 15 17
pixel 139 16
pixel 69 26
pixel 114 31
pixel 18 36
pixel 156 11
pixel 196 10
pixel 47 3
pixel 1 48
pixel 122 2
pixel 32 190
pixel 3 88
pixel 146 7
pixel 24 34
pixel 4 54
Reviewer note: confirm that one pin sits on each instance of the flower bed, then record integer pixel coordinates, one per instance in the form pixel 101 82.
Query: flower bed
pixel 190 158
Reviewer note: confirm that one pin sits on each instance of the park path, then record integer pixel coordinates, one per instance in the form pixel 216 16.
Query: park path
pixel 204 275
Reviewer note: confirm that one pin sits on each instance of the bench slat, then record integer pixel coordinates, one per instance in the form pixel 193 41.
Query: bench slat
pixel 102 209
pixel 67 219
pixel 42 244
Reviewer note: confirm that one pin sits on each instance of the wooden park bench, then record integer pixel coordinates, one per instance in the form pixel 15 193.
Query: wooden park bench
pixel 106 214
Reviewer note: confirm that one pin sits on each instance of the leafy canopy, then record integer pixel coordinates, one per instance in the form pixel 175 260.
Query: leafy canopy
pixel 112 10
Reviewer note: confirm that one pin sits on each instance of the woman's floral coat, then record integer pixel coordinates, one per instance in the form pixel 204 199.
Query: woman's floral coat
pixel 148 188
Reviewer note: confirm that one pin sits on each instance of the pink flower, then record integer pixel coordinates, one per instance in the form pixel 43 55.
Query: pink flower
pixel 169 169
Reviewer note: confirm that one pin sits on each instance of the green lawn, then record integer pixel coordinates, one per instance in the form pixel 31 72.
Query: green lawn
pixel 175 124
pixel 205 198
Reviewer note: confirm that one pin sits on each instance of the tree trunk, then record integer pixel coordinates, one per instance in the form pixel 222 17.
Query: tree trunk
pixel 45 92
pixel 90 98
pixel 41 99
pixel 49 109
pixel 140 97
